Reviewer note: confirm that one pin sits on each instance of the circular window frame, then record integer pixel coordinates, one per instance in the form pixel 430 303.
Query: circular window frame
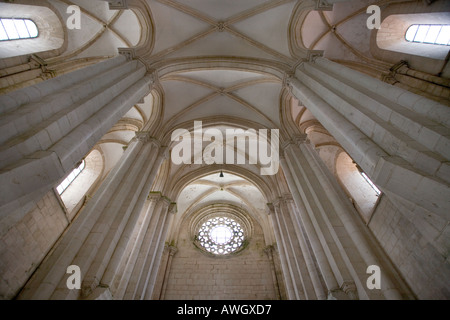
pixel 231 212
pixel 236 242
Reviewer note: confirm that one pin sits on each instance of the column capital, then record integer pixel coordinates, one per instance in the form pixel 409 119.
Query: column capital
pixel 145 137
pixel 269 251
pixel 129 53
pixel 117 4
pixel 287 81
pixel 154 196
pixel 323 5
pixel 172 208
pixel 172 250
pixel 312 55
pixel 296 140
pixel 349 289
pixel 287 197
pixel 271 208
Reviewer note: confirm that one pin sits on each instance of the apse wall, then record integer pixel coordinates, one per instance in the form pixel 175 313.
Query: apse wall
pixel 195 275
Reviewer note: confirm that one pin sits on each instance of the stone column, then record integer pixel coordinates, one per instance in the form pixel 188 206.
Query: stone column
pixel 101 228
pixel 47 128
pixel 400 139
pixel 131 240
pixel 146 268
pixel 123 278
pixel 283 257
pixel 335 223
pixel 276 283
pixel 304 220
pixel 309 259
pixel 136 282
pixel 171 251
pixel 297 264
pixel 158 248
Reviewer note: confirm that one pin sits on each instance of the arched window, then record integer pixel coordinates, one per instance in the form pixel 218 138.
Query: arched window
pixel 69 179
pixel 417 34
pixel 15 29
pixel 358 186
pixel 429 33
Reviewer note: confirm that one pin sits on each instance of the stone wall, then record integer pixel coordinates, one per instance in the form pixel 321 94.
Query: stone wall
pixel 24 245
pixel 195 275
pixel 417 245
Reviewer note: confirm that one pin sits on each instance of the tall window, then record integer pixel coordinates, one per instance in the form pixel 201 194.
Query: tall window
pixel 372 185
pixel 429 33
pixel 14 29
pixel 69 179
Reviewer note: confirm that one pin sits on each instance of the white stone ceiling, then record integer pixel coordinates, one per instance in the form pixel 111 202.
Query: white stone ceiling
pixel 252 29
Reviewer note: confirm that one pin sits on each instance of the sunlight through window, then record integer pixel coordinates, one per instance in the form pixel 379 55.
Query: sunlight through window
pixel 69 179
pixel 14 29
pixel 430 34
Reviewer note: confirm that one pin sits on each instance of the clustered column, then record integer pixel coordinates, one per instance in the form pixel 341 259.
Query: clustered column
pixel 338 242
pixel 401 140
pixel 98 241
pixel 47 128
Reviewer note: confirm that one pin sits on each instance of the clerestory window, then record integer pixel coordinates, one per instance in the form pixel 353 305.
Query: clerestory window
pixel 70 178
pixel 429 34
pixel 15 29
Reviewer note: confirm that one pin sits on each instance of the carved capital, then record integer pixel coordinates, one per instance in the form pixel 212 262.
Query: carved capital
pixel 287 81
pixel 172 208
pixel 88 286
pixel 117 4
pixel 129 53
pixel 271 208
pixel 323 5
pixel 172 250
pixel 313 55
pixel 269 251
pixel 349 288
pixel 154 196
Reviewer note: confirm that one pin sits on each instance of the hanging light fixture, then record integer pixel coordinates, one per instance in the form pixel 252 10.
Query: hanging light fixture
pixel 221 174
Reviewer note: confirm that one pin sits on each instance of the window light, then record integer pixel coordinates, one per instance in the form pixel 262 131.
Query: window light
pixel 69 179
pixel 15 29
pixel 429 33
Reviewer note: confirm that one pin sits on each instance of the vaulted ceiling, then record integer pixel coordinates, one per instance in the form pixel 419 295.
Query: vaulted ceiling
pixel 224 30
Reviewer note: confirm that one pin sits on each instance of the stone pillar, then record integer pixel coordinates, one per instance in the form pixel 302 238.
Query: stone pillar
pixel 400 139
pixel 308 257
pixel 123 277
pixel 304 220
pixel 92 239
pixel 297 266
pixel 171 251
pixel 333 222
pixel 47 128
pixel 159 249
pixel 126 251
pixel 276 282
pixel 145 269
pixel 142 255
pixel 283 257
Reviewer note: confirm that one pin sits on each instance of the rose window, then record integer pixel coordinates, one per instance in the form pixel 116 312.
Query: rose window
pixel 221 235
